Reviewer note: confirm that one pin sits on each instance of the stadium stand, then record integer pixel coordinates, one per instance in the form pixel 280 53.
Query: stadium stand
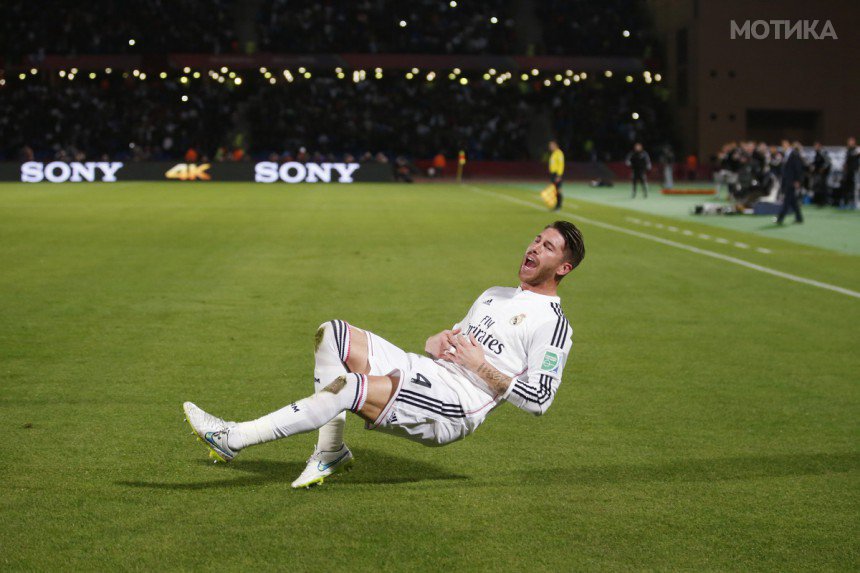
pixel 136 102
pixel 105 27
pixel 608 27
pixel 128 117
pixel 379 26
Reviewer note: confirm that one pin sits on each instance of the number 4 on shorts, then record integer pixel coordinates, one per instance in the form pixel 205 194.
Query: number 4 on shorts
pixel 421 380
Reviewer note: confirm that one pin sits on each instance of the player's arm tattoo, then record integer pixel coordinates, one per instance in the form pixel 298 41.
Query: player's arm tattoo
pixel 497 381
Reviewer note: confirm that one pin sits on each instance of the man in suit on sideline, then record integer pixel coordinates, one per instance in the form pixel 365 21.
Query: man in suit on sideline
pixel 793 169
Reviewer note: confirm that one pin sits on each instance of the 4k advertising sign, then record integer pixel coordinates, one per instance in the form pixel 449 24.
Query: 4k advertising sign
pixel 263 172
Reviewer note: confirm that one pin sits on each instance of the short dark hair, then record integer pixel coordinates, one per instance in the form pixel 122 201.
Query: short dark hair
pixel 573 242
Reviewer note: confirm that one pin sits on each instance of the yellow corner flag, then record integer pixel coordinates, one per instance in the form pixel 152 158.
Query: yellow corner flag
pixel 550 196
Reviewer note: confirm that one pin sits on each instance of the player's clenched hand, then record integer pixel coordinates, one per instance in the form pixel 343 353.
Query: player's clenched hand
pixel 467 352
pixel 437 344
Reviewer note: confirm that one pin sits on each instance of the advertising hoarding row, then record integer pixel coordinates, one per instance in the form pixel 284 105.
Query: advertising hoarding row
pixel 261 172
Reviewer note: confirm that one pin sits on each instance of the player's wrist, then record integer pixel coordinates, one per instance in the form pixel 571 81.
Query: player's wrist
pixel 478 366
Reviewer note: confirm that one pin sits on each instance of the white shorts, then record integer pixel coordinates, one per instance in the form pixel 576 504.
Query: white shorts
pixel 432 404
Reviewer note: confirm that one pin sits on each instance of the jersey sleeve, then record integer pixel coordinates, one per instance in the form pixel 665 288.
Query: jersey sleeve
pixel 546 355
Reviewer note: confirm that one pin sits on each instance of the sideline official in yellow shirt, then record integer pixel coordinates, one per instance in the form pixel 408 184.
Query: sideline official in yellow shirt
pixel 556 169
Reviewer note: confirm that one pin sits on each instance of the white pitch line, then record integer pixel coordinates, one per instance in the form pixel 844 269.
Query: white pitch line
pixel 690 233
pixel 677 245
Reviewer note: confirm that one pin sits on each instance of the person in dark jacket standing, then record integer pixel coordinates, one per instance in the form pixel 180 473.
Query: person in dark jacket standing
pixel 640 163
pixel 821 165
pixel 849 174
pixel 793 170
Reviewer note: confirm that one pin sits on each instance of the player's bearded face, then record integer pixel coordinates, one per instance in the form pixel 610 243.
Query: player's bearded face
pixel 543 258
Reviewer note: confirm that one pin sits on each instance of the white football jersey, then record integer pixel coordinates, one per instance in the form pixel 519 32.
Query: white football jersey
pixel 524 335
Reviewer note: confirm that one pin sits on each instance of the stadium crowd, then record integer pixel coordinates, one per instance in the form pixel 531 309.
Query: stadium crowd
pixel 116 117
pixel 608 27
pixel 35 29
pixel 387 26
pixel 126 117
pixel 30 30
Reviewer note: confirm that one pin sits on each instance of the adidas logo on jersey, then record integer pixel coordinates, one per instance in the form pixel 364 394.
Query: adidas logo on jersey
pixel 488 301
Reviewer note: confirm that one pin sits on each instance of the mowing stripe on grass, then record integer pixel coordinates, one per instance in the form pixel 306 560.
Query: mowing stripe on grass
pixel 677 245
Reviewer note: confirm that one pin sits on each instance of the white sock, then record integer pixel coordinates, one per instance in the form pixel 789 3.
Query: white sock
pixel 347 392
pixel 332 344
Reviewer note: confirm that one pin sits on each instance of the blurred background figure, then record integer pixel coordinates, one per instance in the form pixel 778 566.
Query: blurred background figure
pixel 820 170
pixel 692 167
pixel 439 165
pixel 639 162
pixel 667 159
pixel 556 170
pixel 847 197
pixel 793 170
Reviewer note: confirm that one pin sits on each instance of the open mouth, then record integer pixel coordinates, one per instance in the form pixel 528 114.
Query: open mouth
pixel 530 262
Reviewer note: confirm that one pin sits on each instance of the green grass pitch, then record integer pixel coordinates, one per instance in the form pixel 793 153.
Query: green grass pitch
pixel 708 419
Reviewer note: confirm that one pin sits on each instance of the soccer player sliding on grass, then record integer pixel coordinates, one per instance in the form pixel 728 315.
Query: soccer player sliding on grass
pixel 511 346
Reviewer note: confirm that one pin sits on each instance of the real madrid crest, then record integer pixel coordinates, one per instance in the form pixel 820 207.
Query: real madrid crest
pixel 518 319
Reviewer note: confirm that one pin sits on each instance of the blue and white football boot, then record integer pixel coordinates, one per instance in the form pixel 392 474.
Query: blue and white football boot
pixel 210 430
pixel 322 465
